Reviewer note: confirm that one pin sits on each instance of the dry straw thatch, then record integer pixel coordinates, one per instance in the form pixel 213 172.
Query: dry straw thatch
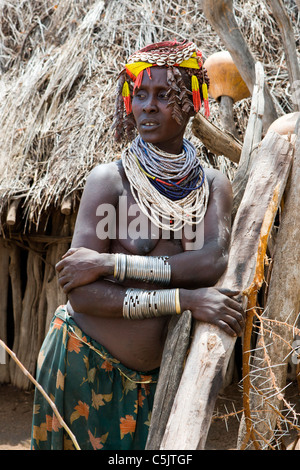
pixel 58 65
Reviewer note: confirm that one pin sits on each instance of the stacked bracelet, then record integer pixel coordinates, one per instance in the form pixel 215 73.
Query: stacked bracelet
pixel 139 304
pixel 142 268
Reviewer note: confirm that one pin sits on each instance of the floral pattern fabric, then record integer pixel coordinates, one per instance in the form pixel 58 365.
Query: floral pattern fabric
pixel 105 405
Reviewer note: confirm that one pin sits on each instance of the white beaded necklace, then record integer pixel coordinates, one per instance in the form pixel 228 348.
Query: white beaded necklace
pixel 160 209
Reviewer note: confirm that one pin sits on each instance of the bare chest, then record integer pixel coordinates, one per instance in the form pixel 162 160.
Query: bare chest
pixel 136 233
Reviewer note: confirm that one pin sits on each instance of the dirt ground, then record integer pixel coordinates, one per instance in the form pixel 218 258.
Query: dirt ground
pixel 16 412
pixel 15 418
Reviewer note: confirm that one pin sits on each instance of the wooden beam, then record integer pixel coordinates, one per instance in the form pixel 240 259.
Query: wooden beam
pixel 66 206
pixel 217 141
pixel 205 368
pixel 12 212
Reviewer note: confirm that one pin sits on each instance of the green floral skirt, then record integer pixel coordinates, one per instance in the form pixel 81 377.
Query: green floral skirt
pixel 104 404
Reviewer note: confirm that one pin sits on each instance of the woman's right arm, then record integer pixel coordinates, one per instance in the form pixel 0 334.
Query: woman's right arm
pixel 103 186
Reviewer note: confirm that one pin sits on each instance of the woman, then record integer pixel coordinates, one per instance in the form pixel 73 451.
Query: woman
pixel 151 240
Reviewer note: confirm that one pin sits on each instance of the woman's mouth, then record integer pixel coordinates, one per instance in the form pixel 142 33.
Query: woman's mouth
pixel 148 124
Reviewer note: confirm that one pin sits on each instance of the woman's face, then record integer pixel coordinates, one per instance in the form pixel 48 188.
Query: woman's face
pixel 153 115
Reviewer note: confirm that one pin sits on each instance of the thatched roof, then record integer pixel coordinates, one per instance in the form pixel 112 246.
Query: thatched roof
pixel 58 69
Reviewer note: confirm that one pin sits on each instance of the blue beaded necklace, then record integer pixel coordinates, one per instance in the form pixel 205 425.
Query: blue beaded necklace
pixel 174 190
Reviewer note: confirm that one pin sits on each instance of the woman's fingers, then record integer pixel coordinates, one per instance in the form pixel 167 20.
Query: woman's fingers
pixel 229 292
pixel 69 252
pixel 235 322
pixel 234 315
pixel 60 265
pixel 66 284
pixel 227 328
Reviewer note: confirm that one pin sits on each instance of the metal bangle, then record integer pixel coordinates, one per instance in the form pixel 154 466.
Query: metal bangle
pixel 142 268
pixel 140 304
pixel 177 302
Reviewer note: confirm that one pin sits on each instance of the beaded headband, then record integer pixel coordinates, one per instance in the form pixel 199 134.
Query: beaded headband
pixel 166 54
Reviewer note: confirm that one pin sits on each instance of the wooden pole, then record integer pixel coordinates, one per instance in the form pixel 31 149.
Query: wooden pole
pixel 52 294
pixel 4 282
pixel 172 365
pixel 253 136
pixel 66 206
pixel 288 39
pixel 28 346
pixel 16 288
pixel 205 368
pixel 270 360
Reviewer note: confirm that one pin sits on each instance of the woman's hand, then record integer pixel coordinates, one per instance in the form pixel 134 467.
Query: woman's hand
pixel 216 306
pixel 81 266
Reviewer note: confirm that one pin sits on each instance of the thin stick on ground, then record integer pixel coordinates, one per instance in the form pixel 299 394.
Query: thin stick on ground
pixel 42 391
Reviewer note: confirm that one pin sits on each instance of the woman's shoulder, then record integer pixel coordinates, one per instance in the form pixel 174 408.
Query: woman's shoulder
pixel 217 179
pixel 107 176
pixel 104 184
pixel 110 170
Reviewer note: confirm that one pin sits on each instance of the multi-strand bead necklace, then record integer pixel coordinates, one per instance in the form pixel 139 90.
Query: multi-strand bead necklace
pixel 165 186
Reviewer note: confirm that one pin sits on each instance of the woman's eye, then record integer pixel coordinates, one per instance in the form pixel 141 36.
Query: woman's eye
pixel 163 95
pixel 140 95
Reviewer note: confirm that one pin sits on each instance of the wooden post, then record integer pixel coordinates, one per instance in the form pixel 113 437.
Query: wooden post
pixel 66 206
pixel 28 348
pixel 210 350
pixel 16 287
pixel 172 365
pixel 52 294
pixel 4 282
pixel 270 360
pixel 288 39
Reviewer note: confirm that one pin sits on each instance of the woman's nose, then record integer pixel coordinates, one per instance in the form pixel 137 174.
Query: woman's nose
pixel 150 105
